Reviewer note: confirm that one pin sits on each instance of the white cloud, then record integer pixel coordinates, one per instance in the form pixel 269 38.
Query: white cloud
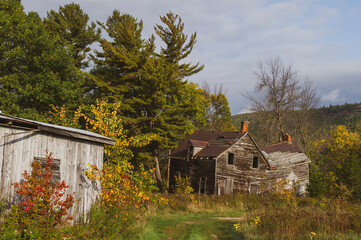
pixel 333 96
pixel 245 110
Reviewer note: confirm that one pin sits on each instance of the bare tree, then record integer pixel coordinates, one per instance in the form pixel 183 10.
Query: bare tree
pixel 278 95
pixel 301 118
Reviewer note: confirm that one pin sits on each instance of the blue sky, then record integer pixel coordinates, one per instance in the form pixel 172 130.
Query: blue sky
pixel 320 39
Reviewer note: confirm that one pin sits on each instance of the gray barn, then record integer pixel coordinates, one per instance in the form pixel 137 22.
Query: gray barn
pixel 22 141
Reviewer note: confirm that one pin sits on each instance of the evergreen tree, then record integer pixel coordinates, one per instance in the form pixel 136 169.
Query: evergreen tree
pixel 150 86
pixel 35 70
pixel 72 27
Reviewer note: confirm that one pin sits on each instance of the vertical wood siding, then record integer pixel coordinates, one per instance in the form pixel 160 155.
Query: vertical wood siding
pixel 18 148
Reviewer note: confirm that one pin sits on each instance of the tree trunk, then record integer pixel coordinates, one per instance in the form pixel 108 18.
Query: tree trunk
pixel 158 176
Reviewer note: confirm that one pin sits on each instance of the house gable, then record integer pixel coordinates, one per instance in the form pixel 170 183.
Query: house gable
pixel 239 176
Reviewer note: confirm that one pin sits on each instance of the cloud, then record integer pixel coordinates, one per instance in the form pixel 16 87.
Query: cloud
pixel 245 110
pixel 333 96
pixel 317 37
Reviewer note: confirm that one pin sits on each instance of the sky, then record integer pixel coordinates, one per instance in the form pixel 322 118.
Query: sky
pixel 320 39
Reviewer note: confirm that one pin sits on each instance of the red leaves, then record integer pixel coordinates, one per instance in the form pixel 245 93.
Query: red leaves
pixel 43 198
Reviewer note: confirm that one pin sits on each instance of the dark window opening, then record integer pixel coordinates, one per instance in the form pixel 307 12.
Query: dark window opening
pixel 230 158
pixel 55 167
pixel 255 162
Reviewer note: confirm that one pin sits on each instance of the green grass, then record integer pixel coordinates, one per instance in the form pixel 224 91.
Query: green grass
pixel 213 217
pixel 190 226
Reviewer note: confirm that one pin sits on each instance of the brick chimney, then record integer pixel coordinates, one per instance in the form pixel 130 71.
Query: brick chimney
pixel 288 138
pixel 244 127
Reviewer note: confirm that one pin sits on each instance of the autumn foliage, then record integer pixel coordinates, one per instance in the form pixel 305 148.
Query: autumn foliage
pixel 43 203
pixel 123 186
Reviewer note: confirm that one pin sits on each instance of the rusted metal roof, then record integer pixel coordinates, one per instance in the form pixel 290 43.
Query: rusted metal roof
pixel 215 142
pixel 11 121
pixel 282 147
pixel 212 151
pixel 197 143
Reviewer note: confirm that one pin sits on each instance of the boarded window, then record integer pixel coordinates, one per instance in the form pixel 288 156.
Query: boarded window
pixel 255 162
pixel 230 158
pixel 55 167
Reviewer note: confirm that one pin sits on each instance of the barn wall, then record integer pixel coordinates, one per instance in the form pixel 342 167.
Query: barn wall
pixel 202 175
pixel 18 148
pixel 240 176
pixel 290 166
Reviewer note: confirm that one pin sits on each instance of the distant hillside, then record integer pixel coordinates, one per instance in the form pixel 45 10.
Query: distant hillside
pixel 347 114
pixel 323 119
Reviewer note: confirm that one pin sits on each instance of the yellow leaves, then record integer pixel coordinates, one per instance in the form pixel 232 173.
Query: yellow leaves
pixel 255 221
pixel 237 227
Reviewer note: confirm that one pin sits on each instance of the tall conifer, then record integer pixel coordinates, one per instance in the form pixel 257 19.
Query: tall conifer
pixel 71 25
pixel 150 86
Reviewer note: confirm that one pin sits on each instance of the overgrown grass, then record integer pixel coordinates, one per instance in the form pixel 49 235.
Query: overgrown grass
pixel 214 217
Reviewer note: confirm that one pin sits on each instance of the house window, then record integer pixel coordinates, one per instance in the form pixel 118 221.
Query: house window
pixel 230 158
pixel 255 162
pixel 55 167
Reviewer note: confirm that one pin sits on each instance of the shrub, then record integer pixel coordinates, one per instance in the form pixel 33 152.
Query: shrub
pixel 43 204
pixel 182 185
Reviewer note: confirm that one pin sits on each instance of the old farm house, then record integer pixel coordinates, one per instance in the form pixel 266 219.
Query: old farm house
pixel 22 141
pixel 229 162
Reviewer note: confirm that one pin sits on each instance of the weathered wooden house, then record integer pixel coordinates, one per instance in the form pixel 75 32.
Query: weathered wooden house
pixel 288 162
pixel 22 141
pixel 229 162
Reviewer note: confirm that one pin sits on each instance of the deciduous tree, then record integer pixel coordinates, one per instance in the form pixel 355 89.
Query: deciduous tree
pixel 218 113
pixel 278 96
pixel 35 70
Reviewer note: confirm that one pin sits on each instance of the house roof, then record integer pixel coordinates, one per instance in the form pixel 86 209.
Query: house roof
pixel 212 151
pixel 197 143
pixel 56 129
pixel 282 147
pixel 202 139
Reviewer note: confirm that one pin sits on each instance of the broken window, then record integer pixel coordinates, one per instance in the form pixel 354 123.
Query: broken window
pixel 255 162
pixel 55 167
pixel 230 158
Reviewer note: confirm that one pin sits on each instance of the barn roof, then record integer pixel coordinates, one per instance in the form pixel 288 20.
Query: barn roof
pixel 52 128
pixel 282 147
pixel 202 138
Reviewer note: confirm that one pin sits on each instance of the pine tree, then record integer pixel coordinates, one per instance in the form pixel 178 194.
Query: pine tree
pixel 150 86
pixel 72 27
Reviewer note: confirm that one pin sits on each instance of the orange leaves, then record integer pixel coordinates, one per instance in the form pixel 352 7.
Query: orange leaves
pixel 42 199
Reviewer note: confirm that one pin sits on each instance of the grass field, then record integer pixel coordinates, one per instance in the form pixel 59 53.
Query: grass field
pixel 237 216
pixel 257 217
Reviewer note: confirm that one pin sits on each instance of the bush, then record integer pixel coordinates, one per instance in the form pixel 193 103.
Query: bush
pixel 43 205
pixel 182 185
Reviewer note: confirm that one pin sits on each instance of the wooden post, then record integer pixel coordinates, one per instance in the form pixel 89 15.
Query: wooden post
pixel 200 185
pixel 168 169
pixel 205 185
